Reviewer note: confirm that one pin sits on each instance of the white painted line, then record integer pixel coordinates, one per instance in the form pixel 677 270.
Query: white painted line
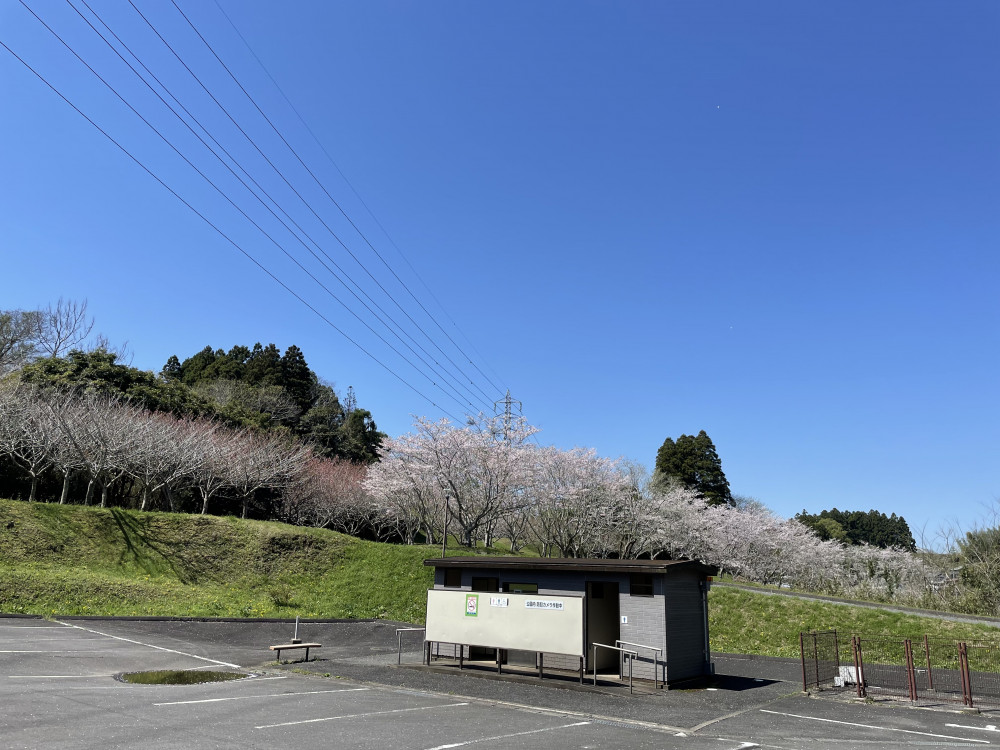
pixel 987 728
pixel 358 716
pixel 35 627
pixel 158 648
pixel 56 676
pixel 507 736
pixel 74 638
pixel 869 726
pixel 250 697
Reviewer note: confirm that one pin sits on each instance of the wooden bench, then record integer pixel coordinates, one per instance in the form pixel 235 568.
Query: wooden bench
pixel 290 646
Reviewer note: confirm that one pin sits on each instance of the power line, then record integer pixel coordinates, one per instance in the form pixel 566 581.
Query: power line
pixel 372 215
pixel 225 236
pixel 249 189
pixel 277 171
pixel 332 199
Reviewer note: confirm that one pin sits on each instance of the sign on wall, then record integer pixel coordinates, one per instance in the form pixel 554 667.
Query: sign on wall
pixel 553 624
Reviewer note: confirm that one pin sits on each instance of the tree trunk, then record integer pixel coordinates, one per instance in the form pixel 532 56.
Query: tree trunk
pixel 65 489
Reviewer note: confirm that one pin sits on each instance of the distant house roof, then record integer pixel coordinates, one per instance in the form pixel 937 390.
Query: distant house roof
pixel 574 564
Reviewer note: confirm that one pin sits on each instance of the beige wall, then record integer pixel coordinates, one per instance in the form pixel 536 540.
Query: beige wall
pixel 529 622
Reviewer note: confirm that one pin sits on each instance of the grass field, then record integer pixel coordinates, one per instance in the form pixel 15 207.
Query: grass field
pixel 70 560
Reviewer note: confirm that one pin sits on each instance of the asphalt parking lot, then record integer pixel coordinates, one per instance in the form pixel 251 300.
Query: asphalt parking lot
pixel 58 690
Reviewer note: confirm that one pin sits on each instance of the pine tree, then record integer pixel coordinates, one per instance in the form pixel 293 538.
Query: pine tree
pixel 297 378
pixel 694 462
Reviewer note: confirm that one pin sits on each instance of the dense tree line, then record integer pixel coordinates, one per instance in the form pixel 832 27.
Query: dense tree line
pixel 288 398
pixel 858 527
pixel 263 387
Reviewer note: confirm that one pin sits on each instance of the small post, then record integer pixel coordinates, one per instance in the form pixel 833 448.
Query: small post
pixel 802 651
pixel 862 690
pixel 295 638
pixel 541 661
pixel 911 678
pixel 927 653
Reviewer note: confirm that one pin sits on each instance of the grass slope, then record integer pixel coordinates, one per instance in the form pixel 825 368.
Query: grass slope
pixel 74 560
pixel 65 560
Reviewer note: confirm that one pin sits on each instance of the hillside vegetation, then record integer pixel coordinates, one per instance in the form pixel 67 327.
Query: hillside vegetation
pixel 85 560
pixel 68 560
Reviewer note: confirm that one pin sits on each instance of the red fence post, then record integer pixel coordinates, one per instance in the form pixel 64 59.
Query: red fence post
pixel 911 678
pixel 927 653
pixel 802 650
pixel 963 665
pixel 859 666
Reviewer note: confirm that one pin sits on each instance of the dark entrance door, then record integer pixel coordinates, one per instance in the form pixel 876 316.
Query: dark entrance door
pixel 603 624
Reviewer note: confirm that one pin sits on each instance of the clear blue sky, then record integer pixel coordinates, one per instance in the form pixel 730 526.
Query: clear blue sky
pixel 774 221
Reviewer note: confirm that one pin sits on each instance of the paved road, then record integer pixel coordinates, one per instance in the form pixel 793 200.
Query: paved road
pixel 57 690
pixel 936 614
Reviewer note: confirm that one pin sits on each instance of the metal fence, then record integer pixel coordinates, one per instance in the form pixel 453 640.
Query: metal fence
pixel 921 668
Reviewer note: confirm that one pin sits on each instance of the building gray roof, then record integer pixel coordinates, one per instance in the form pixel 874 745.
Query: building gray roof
pixel 572 564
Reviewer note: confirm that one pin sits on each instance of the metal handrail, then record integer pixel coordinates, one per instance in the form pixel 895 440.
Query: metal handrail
pixel 631 654
pixel 399 641
pixel 656 659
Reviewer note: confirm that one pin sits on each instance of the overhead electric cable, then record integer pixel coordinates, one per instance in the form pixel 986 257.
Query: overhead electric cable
pixel 226 237
pixel 458 396
pixel 277 171
pixel 325 191
pixel 223 194
pixel 375 218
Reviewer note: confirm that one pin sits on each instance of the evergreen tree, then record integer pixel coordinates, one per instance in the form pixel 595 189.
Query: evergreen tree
pixel 361 438
pixel 297 378
pixel 264 365
pixel 193 369
pixel 171 370
pixel 859 527
pixel 694 462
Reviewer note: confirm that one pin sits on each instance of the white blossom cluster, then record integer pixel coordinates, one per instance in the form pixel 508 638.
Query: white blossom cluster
pixel 491 482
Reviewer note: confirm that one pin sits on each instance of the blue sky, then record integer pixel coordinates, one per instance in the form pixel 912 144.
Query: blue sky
pixel 774 221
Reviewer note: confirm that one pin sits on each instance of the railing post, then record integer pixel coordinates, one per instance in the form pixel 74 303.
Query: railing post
pixel 595 664
pixel 963 665
pixel 816 658
pixel 860 655
pixel 911 678
pixel 836 651
pixel 927 653
pixel 802 650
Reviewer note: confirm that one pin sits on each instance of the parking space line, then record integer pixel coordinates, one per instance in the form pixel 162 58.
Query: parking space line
pixel 869 726
pixel 508 736
pixel 271 695
pixel 358 716
pixel 57 676
pixel 73 638
pixel 36 627
pixel 987 728
pixel 49 651
pixel 158 648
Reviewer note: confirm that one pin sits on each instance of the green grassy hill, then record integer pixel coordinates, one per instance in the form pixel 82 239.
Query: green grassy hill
pixel 71 560
pixel 75 560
